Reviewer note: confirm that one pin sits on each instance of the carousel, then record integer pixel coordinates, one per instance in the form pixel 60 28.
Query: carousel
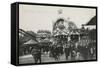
pixel 64 31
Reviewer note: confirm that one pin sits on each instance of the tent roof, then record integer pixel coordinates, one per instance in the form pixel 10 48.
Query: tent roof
pixel 92 21
pixel 31 42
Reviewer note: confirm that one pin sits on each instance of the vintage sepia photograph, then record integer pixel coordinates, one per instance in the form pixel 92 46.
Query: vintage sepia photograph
pixel 49 34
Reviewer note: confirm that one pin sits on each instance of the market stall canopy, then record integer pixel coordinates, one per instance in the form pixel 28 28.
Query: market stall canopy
pixel 31 42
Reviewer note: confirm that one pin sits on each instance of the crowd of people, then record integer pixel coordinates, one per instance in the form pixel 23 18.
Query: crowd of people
pixel 71 50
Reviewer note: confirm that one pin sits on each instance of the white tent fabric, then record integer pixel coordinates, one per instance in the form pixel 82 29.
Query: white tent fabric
pixel 31 42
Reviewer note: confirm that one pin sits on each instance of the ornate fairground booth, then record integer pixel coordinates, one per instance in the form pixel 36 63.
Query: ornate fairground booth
pixel 64 30
pixel 75 35
pixel 59 31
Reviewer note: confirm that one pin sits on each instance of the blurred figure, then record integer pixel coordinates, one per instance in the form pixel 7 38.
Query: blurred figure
pixel 73 52
pixel 36 53
pixel 67 51
pixel 92 50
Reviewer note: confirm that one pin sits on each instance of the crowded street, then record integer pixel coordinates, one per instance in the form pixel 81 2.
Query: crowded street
pixel 64 41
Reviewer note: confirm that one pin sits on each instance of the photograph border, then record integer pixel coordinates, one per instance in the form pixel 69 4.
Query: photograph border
pixel 57 5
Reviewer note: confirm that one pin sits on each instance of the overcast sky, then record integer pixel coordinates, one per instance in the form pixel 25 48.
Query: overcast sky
pixel 33 17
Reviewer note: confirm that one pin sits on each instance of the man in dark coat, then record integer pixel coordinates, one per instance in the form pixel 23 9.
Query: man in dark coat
pixel 36 53
pixel 67 51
